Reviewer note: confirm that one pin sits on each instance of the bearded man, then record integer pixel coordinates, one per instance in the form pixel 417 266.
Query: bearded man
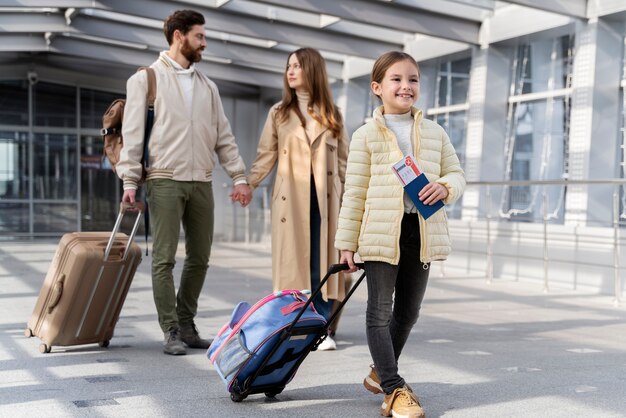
pixel 190 130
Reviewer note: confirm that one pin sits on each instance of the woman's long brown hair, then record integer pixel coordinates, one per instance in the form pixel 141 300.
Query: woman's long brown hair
pixel 315 82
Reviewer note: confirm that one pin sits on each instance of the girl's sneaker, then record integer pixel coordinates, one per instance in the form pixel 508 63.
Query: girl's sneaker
pixel 402 402
pixel 372 381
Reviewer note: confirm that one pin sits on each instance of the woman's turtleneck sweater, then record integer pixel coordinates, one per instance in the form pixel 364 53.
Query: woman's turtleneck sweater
pixel 402 127
pixel 303 105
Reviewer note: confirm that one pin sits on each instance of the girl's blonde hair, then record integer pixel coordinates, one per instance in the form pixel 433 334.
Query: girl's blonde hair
pixel 315 82
pixel 386 60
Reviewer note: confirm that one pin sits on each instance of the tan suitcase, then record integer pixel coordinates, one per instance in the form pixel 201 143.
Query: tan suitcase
pixel 85 287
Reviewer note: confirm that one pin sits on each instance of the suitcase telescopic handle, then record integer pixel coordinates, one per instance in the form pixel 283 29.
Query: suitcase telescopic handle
pixel 336 268
pixel 333 269
pixel 124 207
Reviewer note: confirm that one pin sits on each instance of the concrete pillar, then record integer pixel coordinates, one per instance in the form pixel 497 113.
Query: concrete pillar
pixel 605 138
pixel 486 126
pixel 353 100
pixel 595 121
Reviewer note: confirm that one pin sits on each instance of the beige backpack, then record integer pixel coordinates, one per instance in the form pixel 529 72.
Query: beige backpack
pixel 112 125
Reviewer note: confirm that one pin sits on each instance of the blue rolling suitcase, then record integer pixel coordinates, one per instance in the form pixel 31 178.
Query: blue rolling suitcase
pixel 260 349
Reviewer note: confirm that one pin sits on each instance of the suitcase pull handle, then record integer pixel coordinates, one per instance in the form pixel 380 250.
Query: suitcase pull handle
pixel 58 291
pixel 124 207
pixel 333 269
pixel 336 268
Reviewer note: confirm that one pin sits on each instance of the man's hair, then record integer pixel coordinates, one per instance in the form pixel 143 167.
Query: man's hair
pixel 182 20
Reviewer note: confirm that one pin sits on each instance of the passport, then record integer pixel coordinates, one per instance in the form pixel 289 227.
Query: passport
pixel 414 180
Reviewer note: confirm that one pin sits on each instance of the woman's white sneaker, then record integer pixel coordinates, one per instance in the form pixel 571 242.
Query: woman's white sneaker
pixel 328 344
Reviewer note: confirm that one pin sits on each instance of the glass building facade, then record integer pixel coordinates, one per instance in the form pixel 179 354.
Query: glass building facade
pixel 53 177
pixel 538 123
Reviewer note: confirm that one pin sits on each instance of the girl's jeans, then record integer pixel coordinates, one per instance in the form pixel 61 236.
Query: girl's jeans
pixel 389 318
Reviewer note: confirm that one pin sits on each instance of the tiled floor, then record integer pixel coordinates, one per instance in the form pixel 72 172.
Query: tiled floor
pixel 504 349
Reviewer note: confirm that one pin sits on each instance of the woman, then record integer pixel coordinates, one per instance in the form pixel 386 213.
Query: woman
pixel 305 139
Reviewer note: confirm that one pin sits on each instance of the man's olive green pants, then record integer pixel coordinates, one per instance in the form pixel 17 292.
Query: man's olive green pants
pixel 171 203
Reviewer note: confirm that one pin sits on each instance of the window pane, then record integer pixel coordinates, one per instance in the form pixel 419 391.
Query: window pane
pixel 100 187
pixel 539 153
pixel 460 87
pixel 454 125
pixel 541 61
pixel 55 166
pixel 54 105
pixel 456 131
pixel 462 66
pixel 93 104
pixel 14 103
pixel 453 82
pixel 14 165
pixel 14 218
pixel 443 92
pixel 51 217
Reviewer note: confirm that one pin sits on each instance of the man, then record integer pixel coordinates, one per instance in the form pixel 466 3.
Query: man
pixel 189 130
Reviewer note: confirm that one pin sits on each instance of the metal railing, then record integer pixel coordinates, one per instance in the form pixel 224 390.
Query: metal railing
pixel 617 221
pixel 257 217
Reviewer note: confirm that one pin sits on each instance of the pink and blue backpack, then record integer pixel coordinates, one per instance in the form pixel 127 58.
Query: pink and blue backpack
pixel 261 347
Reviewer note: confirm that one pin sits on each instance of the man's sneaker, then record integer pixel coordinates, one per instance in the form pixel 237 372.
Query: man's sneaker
pixel 402 402
pixel 172 344
pixel 372 381
pixel 189 335
pixel 328 344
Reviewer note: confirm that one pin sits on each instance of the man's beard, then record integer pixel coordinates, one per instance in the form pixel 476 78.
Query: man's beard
pixel 192 55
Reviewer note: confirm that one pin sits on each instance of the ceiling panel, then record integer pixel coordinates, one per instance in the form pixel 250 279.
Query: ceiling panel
pixel 248 40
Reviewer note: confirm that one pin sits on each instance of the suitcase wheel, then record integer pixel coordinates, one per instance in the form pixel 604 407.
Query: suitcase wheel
pixel 272 394
pixel 104 344
pixel 28 332
pixel 44 348
pixel 237 397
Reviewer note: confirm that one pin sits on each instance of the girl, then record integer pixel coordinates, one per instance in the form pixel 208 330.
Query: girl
pixel 304 135
pixel 381 222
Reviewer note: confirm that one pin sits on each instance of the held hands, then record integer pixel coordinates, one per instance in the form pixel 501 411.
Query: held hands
pixel 432 193
pixel 242 194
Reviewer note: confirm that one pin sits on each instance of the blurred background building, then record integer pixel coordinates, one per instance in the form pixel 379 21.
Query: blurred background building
pixel 531 93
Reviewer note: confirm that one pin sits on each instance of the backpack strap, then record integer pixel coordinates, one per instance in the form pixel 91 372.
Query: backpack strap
pixel 151 97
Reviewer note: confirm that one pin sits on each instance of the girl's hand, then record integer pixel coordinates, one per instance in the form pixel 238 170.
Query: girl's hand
pixel 432 193
pixel 347 256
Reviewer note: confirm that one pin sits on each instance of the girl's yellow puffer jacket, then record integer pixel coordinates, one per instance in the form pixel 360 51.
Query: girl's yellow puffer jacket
pixel 372 209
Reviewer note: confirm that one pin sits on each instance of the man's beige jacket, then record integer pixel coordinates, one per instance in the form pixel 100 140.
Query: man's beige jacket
pixel 183 146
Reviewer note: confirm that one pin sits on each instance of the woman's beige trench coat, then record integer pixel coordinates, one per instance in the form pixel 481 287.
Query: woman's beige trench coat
pixel 325 156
